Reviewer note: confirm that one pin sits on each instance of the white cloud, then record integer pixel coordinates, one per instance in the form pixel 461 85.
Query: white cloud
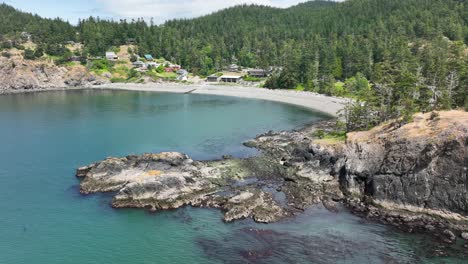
pixel 162 10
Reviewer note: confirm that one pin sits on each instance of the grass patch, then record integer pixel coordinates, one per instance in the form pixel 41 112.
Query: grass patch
pixel 330 137
pixel 299 87
pixel 252 79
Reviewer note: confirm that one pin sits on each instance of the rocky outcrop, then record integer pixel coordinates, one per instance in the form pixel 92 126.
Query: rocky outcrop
pixel 17 74
pixel 266 188
pixel 421 166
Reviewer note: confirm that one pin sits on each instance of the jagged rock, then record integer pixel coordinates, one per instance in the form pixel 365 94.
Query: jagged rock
pixel 172 180
pixel 464 235
pixel 449 236
pixel 422 164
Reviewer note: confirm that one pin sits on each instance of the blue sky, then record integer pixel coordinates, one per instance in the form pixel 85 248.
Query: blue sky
pixel 70 10
pixel 160 10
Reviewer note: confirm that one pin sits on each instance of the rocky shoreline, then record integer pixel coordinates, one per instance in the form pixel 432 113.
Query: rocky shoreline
pixel 262 188
pixel 296 170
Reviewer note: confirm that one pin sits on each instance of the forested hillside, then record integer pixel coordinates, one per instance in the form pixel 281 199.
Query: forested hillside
pixel 399 56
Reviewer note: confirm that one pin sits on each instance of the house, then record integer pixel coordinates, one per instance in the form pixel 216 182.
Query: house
pixel 153 64
pixel 230 78
pixel 259 73
pixel 175 67
pixel 148 57
pixel 169 69
pixel 233 68
pixel 110 55
pixel 212 78
pixel 139 64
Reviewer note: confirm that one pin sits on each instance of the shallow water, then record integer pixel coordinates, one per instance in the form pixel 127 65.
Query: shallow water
pixel 44 219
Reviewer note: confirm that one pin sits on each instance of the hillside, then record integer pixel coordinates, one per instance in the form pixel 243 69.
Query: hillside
pixel 399 56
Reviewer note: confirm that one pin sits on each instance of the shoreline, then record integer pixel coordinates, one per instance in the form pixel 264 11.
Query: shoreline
pixel 313 101
pixel 317 102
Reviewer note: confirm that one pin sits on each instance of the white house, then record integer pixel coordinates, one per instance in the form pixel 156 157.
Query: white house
pixel 110 55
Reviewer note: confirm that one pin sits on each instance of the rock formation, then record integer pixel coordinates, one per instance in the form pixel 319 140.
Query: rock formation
pixel 17 74
pixel 263 188
pixel 413 176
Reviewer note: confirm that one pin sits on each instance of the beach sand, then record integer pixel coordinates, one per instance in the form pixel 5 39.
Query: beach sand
pixel 318 102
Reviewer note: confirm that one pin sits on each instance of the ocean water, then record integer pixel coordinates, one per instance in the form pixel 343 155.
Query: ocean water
pixel 44 219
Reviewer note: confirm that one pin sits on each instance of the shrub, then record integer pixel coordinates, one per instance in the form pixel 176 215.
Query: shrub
pixel 251 79
pixel 39 52
pixel 6 54
pixel 117 80
pixel 29 54
pixel 434 116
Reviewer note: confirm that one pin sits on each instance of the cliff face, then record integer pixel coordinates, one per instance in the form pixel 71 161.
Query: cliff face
pixel 419 166
pixel 18 74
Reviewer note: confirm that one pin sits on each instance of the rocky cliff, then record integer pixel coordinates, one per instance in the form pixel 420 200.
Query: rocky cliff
pixel 422 164
pixel 17 74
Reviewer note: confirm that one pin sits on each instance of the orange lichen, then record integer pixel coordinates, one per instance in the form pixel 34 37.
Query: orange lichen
pixel 154 173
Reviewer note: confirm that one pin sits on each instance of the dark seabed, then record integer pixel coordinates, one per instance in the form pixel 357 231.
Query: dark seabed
pixel 44 219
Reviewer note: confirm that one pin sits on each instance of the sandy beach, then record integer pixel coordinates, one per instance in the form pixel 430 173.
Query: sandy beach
pixel 325 104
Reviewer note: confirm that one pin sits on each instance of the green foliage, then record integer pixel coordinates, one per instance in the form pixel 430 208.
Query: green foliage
pixel 252 79
pixel 39 52
pixel 160 69
pixel 283 79
pixel 29 54
pixel 299 87
pixel 133 58
pixel 118 80
pixel 101 66
pixel 336 134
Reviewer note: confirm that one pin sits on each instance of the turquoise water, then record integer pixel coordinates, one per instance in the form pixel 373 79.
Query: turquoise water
pixel 44 219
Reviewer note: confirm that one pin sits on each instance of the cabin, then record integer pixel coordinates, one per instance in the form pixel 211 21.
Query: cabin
pixel 153 64
pixel 148 57
pixel 212 78
pixel 259 73
pixel 230 79
pixel 138 64
pixel 110 55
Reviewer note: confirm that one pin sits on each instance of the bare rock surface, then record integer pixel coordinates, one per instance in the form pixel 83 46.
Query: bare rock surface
pixel 266 188
pixel 17 75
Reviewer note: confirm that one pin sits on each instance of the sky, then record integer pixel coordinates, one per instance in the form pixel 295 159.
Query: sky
pixel 159 10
